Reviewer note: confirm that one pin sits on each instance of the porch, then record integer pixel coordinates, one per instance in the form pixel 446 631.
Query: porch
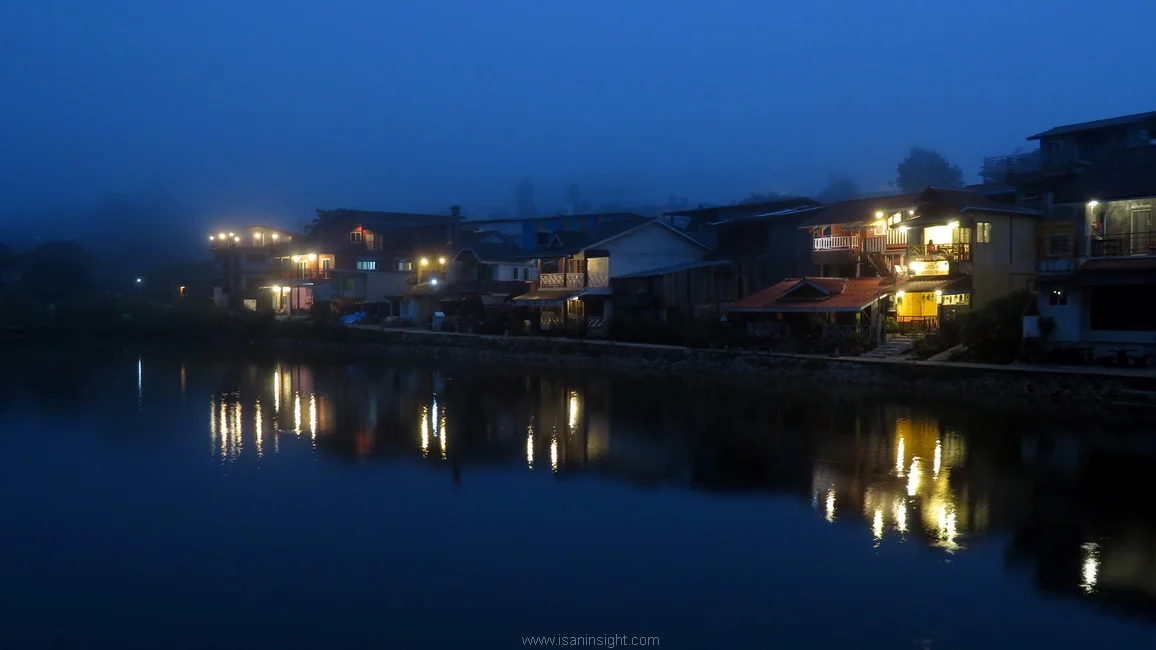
pixel 1121 228
pixel 570 273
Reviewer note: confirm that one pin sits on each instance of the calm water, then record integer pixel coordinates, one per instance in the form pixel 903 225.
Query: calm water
pixel 164 502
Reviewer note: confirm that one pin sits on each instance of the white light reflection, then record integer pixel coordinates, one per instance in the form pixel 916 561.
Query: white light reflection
pixel 554 454
pixel 276 391
pixel 530 445
pixel 877 524
pixel 224 429
pixel 830 505
pixel 424 430
pixel 1091 567
pixel 313 415
pixel 947 532
pixel 913 478
pixel 444 436
pixel 938 458
pixel 139 383
pixel 297 413
pixel 213 432
pixel 573 411
pixel 899 464
pixel 901 515
pixel 257 433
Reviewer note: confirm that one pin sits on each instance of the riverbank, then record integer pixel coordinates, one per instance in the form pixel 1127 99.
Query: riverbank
pixel 1019 384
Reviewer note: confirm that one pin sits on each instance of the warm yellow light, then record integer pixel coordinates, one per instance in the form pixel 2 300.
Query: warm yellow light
pixel 441 260
pixel 257 235
pixel 953 224
pixel 1092 204
pixel 232 234
pixel 900 294
pixel 911 212
pixel 275 236
pixel 424 261
pixel 938 293
pixel 276 289
pixel 879 214
pixel 296 258
pixel 830 505
pixel 902 228
pixel 913 476
pixel 221 235
pixel 237 239
pixel 312 256
pixel 877 524
pixel 918 267
pixel 554 454
pixel 212 238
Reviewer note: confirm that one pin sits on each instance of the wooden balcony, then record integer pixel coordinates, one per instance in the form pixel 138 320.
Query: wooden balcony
pixel 575 280
pixel 307 274
pixel 952 252
pixel 837 243
pixel 552 281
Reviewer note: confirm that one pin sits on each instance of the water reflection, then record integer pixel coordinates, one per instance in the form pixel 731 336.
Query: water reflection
pixel 888 474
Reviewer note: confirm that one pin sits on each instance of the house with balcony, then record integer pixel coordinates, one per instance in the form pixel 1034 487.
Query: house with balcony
pixel 242 260
pixel 1097 259
pixel 575 269
pixel 939 251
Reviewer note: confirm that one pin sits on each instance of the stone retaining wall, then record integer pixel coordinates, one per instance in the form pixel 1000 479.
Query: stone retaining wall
pixel 956 381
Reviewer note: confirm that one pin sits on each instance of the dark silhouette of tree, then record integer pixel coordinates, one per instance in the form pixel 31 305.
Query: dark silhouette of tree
pixel 925 167
pixel 527 207
pixel 840 187
pixel 57 270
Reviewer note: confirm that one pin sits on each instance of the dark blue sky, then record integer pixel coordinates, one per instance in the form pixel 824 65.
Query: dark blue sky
pixel 262 110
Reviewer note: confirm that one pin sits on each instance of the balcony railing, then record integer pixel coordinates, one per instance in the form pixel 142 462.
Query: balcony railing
pixel 575 280
pixel 598 279
pixel 953 252
pixel 1123 244
pixel 997 169
pixel 837 243
pixel 308 274
pixel 552 280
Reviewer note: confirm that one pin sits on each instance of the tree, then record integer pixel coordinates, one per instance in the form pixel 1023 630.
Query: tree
pixel 764 197
pixel 840 187
pixel 525 197
pixel 57 270
pixel 925 167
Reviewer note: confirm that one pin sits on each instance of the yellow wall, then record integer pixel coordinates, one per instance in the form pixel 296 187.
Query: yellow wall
pixel 914 305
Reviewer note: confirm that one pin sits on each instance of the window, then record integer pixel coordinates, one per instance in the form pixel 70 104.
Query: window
pixel 404 265
pixel 516 273
pixel 1058 298
pixel 1058 246
pixel 879 229
pixel 355 237
pixel 366 265
pixel 983 232
pixel 370 241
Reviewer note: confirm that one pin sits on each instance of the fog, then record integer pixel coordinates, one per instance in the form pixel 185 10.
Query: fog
pixel 263 111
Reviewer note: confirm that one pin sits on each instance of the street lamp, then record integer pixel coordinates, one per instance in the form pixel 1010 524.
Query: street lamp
pixel 139 280
pixel 441 260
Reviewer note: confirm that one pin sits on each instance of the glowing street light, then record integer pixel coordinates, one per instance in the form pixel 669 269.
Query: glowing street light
pixel 275 236
pixel 434 282
pixel 441 260
pixel 424 262
pixel 139 280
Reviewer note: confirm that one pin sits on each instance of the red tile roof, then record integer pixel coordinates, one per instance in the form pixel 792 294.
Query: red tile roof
pixel 814 295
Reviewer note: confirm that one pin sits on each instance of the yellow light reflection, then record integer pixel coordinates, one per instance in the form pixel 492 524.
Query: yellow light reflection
pixel 237 440
pixel 899 464
pixel 224 429
pixel 1091 567
pixel 444 436
pixel 212 424
pixel 276 391
pixel 313 415
pixel 554 454
pixel 938 458
pixel 945 518
pixel 297 413
pixel 424 430
pixel 830 505
pixel 877 524
pixel 573 411
pixel 901 515
pixel 257 427
pixel 913 478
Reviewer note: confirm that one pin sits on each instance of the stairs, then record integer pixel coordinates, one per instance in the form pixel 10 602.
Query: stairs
pixel 894 347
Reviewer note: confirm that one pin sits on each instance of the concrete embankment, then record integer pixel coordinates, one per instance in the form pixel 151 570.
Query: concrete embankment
pixel 1077 387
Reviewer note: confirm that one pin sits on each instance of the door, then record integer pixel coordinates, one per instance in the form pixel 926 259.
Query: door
pixel 1142 243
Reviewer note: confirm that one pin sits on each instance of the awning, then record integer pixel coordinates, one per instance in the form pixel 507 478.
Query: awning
pixel 946 285
pixel 545 298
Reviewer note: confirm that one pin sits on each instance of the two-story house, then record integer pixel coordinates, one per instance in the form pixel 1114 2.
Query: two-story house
pixel 242 259
pixel 943 249
pixel 575 270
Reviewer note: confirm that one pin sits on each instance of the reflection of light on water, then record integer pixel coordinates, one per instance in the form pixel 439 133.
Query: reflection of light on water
pixel 434 416
pixel 184 382
pixel 899 458
pixel 554 454
pixel 877 524
pixel 224 429
pixel 444 436
pixel 139 381
pixel 297 413
pixel 257 427
pixel 1091 567
pixel 938 458
pixel 913 478
pixel 830 505
pixel 424 430
pixel 901 515
pixel 313 415
pixel 530 448
pixel 573 411
pixel 276 391
pixel 945 518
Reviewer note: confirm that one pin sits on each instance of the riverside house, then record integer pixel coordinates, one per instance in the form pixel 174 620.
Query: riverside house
pixel 941 250
pixel 242 259
pixel 575 270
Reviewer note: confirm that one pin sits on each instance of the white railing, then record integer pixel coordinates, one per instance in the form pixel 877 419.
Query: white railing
pixel 875 244
pixel 552 280
pixel 598 279
pixel 896 237
pixel 575 280
pixel 837 243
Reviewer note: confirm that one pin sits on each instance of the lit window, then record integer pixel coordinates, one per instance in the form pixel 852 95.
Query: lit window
pixel 370 241
pixel 983 232
pixel 404 265
pixel 355 237
pixel 366 265
pixel 1058 298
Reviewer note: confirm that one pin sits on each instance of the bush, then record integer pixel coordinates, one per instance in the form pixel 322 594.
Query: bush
pixel 994 333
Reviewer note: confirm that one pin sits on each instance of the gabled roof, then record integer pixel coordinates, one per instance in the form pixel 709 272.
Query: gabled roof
pixel 814 295
pixel 863 212
pixel 674 269
pixel 488 246
pixel 968 201
pixel 565 243
pixel 1095 124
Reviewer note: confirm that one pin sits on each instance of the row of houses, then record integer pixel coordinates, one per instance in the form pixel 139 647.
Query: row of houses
pixel 1071 221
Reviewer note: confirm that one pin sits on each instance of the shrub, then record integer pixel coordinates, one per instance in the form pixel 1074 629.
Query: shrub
pixel 994 332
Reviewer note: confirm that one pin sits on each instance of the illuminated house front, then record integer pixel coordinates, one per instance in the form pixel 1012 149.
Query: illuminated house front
pixel 942 249
pixel 242 259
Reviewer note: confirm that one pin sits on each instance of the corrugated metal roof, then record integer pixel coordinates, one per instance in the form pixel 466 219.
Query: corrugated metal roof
pixel 842 295
pixel 674 269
